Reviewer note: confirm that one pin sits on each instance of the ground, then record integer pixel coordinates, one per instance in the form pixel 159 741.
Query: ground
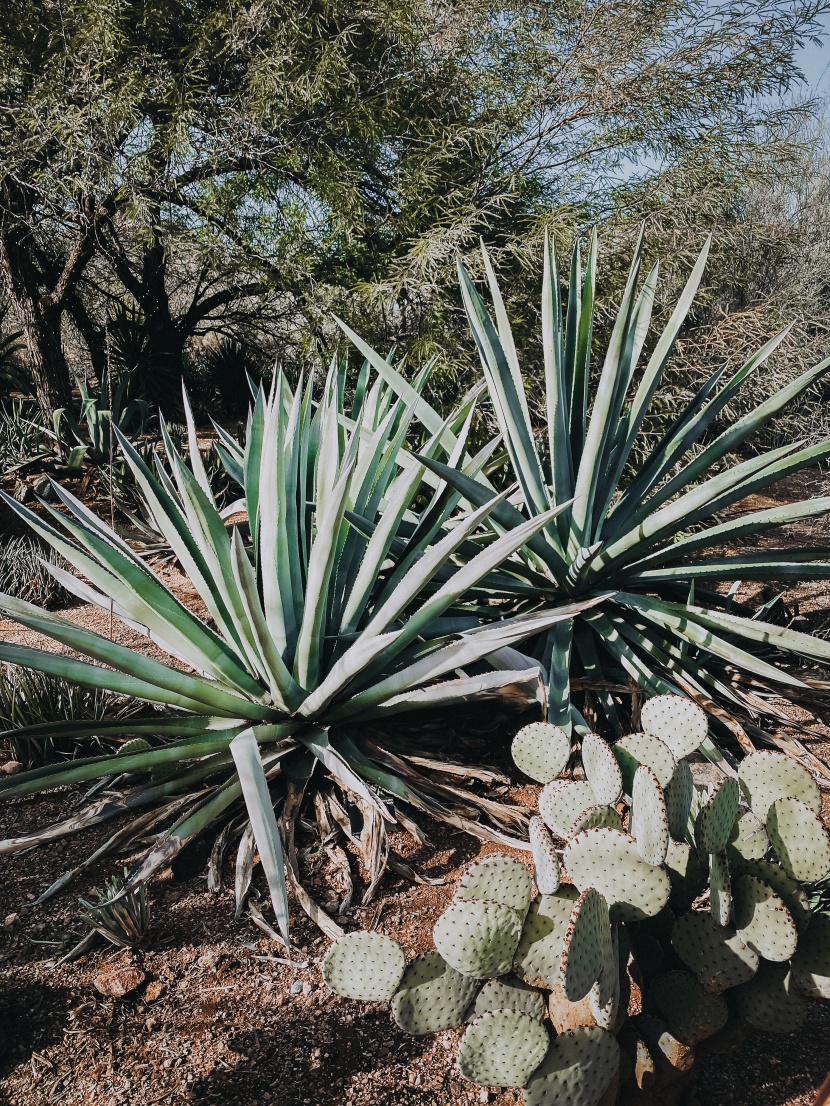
pixel 220 1017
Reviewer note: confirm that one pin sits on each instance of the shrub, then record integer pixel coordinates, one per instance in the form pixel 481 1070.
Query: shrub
pixel 24 572
pixel 696 893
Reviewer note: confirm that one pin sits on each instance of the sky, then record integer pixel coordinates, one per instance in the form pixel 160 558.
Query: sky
pixel 815 61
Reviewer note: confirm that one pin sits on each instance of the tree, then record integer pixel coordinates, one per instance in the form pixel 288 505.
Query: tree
pixel 224 165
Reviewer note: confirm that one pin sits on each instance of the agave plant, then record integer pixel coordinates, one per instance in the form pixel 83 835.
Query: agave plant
pixel 654 540
pixel 319 620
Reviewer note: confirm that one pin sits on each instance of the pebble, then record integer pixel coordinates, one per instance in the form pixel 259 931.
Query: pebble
pixel 118 983
pixel 11 767
pixel 11 921
pixel 296 987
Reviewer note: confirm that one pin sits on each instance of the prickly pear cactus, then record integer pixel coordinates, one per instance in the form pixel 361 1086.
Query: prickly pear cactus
pixel 698 893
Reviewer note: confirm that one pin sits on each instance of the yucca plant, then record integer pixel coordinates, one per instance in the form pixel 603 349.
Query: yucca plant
pixel 318 622
pixel 654 539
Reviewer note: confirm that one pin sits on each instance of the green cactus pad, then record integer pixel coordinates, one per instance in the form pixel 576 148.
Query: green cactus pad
pixel 811 963
pixel 685 873
pixel 135 745
pixel 502 1048
pixel 583 945
pixel 562 801
pixel 766 776
pixel 601 770
pixel 748 839
pixel 539 953
pixel 643 748
pixel 579 1069
pixel 497 878
pixel 478 938
pixel 649 822
pixel 717 956
pixel 365 966
pixel 509 993
pixel 720 889
pixel 432 996
pixel 679 795
pixel 714 823
pixel 541 750
pixel 771 1002
pixel 794 896
pixel 592 818
pixel 607 860
pixel 604 998
pixel 762 920
pixel 691 1013
pixel 545 860
pixel 799 839
pixel 677 721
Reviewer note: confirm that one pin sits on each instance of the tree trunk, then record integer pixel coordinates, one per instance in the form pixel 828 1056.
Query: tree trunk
pixel 41 326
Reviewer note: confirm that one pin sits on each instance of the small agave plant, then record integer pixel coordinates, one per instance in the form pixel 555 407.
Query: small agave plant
pixel 318 618
pixel 122 920
pixel 642 536
pixel 671 916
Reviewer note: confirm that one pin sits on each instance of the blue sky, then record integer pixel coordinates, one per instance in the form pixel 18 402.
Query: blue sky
pixel 815 61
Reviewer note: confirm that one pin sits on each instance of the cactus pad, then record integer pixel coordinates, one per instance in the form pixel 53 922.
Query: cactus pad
pixel 134 745
pixel 799 839
pixel 545 860
pixel 677 721
pixel 608 860
pixel 592 818
pixel 679 795
pixel 502 1048
pixel 767 776
pixel 794 896
pixel 762 920
pixel 432 995
pixel 541 750
pixel 579 1069
pixel 811 963
pixel 478 938
pixel 717 956
pixel 770 1001
pixel 649 821
pixel 539 953
pixel 583 945
pixel 562 801
pixel 685 873
pixel 509 993
pixel 601 770
pixel 643 748
pixel 691 1013
pixel 605 996
pixel 748 839
pixel 366 966
pixel 720 889
pixel 497 878
pixel 714 823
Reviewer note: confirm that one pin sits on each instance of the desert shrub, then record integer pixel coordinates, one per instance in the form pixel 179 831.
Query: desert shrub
pixel 24 575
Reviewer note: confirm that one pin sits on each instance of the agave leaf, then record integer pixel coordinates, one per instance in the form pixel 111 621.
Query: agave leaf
pixel 260 807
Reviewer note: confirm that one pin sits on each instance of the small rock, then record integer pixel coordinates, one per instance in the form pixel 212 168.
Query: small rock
pixel 484 1096
pixel 22 492
pixel 154 991
pixel 208 959
pixel 117 983
pixel 306 988
pixel 11 767
pixel 296 987
pixel 11 921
